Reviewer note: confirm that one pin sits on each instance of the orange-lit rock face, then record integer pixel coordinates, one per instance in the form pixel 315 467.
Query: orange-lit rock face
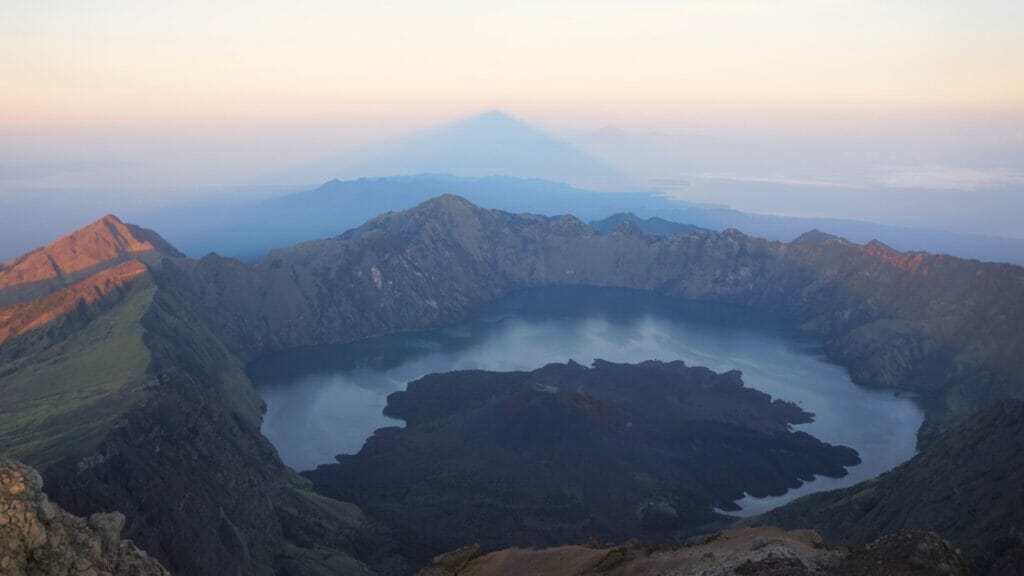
pixel 100 242
pixel 917 262
pixel 23 317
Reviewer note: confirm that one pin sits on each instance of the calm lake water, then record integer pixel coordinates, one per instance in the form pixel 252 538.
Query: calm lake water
pixel 327 400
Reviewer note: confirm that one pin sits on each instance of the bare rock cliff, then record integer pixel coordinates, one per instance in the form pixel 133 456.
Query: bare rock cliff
pixel 37 537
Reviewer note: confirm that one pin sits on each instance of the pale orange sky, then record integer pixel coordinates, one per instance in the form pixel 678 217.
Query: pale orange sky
pixel 157 101
pixel 124 62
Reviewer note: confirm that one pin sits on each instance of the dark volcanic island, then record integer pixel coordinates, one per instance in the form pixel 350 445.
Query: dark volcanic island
pixel 567 452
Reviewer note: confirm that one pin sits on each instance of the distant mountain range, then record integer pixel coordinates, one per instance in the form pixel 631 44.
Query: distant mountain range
pixel 248 230
pixel 654 225
pixel 492 159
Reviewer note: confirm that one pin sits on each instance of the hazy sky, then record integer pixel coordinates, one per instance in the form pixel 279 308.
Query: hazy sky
pixel 138 93
pixel 85 61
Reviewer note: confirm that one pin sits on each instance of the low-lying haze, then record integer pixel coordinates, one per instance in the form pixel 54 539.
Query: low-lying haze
pixel 902 113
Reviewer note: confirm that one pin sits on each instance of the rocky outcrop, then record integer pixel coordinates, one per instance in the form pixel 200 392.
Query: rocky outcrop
pixel 82 253
pixel 741 552
pixel 966 486
pixel 74 271
pixel 37 538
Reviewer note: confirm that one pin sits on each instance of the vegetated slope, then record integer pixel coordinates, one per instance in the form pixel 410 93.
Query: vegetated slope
pixel 64 386
pixel 966 486
pixel 201 487
pixel 941 327
pixel 37 537
pixel 565 452
pixel 72 358
pixel 35 313
pixel 746 552
pixel 114 388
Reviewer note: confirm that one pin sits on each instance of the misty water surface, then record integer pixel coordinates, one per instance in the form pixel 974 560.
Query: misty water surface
pixel 327 400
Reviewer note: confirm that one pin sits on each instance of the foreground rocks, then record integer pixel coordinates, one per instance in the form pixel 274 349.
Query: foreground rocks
pixel 745 551
pixel 38 538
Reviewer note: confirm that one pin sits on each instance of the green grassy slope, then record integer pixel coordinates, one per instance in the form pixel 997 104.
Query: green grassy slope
pixel 59 400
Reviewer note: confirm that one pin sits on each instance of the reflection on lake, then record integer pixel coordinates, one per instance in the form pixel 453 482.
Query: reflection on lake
pixel 327 400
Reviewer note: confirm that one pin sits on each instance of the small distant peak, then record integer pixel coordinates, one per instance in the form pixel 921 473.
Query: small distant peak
pixel 627 226
pixel 129 237
pixel 817 237
pixel 446 202
pixel 108 225
pixel 329 184
pixel 615 221
pixel 448 198
pixel 879 245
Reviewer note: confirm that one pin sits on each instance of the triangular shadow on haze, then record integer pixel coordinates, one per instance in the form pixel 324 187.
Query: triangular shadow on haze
pixel 487 144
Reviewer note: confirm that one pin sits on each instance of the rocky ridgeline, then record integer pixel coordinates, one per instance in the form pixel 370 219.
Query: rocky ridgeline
pixel 38 538
pixel 745 551
pixel 966 486
pixel 103 244
pixel 945 329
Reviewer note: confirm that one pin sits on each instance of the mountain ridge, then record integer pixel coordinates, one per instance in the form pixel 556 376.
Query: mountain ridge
pixel 337 205
pixel 186 418
pixel 653 225
pixel 854 297
pixel 972 471
pixel 78 254
pixel 26 316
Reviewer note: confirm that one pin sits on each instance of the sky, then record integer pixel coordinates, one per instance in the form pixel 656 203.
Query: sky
pixel 182 96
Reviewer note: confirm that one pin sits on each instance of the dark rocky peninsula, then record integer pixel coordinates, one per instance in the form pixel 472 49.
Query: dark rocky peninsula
pixel 567 452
